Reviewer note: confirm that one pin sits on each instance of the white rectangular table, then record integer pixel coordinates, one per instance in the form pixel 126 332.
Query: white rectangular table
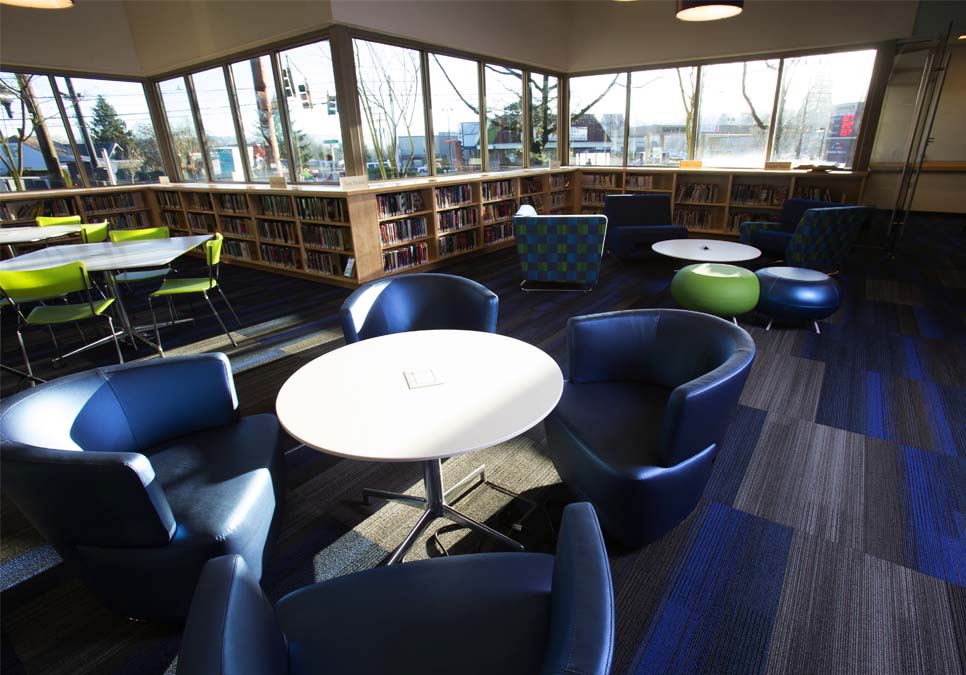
pixel 109 257
pixel 32 234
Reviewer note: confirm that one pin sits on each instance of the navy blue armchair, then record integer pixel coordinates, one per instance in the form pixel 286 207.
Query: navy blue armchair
pixel 635 222
pixel 773 237
pixel 418 302
pixel 650 394
pixel 138 474
pixel 489 613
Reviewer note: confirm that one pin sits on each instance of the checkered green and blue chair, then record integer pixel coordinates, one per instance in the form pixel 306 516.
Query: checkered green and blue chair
pixel 824 237
pixel 559 252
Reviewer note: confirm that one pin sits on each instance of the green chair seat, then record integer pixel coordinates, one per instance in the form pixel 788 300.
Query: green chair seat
pixel 53 314
pixel 190 285
pixel 715 288
pixel 141 275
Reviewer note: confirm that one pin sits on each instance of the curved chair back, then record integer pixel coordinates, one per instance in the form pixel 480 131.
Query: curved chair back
pixel 93 233
pixel 793 209
pixel 213 249
pixel 47 221
pixel 142 233
pixel 50 282
pixel 824 237
pixel 418 302
pixel 559 249
pixel 645 210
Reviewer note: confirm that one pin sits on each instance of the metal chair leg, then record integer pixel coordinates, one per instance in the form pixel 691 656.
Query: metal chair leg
pixel 225 298
pixel 157 332
pixel 815 323
pixel 117 344
pixel 26 359
pixel 768 327
pixel 222 323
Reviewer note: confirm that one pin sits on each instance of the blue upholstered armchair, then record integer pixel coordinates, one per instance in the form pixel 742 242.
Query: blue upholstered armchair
pixel 649 397
pixel 486 613
pixel 773 237
pixel 418 302
pixel 559 252
pixel 637 221
pixel 138 474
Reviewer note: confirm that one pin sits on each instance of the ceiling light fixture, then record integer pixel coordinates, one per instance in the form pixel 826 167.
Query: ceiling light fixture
pixel 39 4
pixel 708 10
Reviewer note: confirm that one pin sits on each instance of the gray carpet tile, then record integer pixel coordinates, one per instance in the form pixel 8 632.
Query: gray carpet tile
pixel 784 383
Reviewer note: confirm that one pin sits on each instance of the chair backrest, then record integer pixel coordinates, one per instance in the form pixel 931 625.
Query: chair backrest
pixel 50 282
pixel 213 249
pixel 93 233
pixel 824 237
pixel 560 248
pixel 47 221
pixel 643 210
pixel 793 209
pixel 418 302
pixel 142 233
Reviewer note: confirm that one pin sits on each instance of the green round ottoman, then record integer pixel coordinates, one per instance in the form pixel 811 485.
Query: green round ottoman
pixel 714 288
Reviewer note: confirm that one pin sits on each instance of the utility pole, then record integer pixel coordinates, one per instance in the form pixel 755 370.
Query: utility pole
pixel 265 119
pixel 80 121
pixel 47 148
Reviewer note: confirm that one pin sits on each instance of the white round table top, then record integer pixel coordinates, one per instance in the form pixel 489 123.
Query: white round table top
pixel 357 401
pixel 706 250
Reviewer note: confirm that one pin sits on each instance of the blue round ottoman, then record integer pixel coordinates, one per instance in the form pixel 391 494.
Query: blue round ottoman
pixel 797 294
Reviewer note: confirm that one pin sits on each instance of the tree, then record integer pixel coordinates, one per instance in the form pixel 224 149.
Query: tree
pixel 107 127
pixel 23 119
pixel 689 100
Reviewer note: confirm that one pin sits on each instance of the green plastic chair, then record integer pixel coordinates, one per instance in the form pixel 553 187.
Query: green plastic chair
pixel 47 221
pixel 94 233
pixel 138 235
pixel 37 285
pixel 174 287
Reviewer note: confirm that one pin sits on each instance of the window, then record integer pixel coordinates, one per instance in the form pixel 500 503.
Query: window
pixel 391 106
pixel 184 136
pixel 597 104
pixel 455 91
pixel 219 126
pixel 662 109
pixel 735 113
pixel 820 107
pixel 260 120
pixel 504 117
pixel 543 119
pixel 308 84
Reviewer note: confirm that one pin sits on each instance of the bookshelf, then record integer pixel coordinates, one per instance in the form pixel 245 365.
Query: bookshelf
pixel 348 237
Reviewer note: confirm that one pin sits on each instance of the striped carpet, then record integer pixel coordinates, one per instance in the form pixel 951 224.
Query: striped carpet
pixel 832 535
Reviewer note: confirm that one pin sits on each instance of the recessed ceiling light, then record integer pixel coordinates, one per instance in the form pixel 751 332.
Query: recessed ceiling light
pixel 708 10
pixel 39 4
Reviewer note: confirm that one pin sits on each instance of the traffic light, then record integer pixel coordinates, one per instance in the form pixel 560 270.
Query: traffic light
pixel 287 82
pixel 330 107
pixel 305 95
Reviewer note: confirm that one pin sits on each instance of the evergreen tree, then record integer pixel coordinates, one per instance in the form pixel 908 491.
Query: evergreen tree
pixel 108 127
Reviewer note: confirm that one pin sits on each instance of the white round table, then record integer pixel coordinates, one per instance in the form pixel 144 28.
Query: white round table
pixel 420 396
pixel 706 250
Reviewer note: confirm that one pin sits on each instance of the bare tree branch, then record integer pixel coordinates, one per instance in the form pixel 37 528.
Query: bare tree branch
pixel 744 93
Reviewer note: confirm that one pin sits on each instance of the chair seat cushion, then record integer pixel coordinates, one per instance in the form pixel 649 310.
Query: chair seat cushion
pixel 141 275
pixel 715 288
pixel 47 314
pixel 482 613
pixel 772 242
pixel 193 285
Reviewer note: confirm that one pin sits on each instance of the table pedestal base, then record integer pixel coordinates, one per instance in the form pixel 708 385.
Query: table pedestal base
pixel 434 506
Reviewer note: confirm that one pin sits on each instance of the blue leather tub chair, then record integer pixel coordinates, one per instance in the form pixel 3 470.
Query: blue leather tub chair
pixel 773 237
pixel 418 302
pixel 637 221
pixel 650 395
pixel 487 613
pixel 139 474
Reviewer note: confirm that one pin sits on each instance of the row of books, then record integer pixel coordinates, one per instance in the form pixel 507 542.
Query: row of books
pixel 459 219
pixel 536 201
pixel 174 220
pixel 698 192
pixel 169 199
pixel 322 208
pixel 693 219
pixel 453 195
pixel 599 180
pixel 283 256
pixel 498 189
pixel 531 185
pixel 407 256
pixel 237 249
pixel 765 194
pixel 398 231
pixel 326 263
pixel 495 233
pixel 399 203
pixel 201 222
pixel 121 200
pixel 198 200
pixel 737 219
pixel 234 202
pixel 593 196
pixel 560 182
pixel 458 243
pixel 233 225
pixel 274 205
pixel 28 210
pixel 499 211
pixel 129 221
pixel 814 192
pixel 635 182
pixel 326 237
pixel 558 200
pixel 277 230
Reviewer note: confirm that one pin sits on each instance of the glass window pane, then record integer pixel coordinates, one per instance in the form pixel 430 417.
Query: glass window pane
pixel 218 125
pixel 504 117
pixel 77 122
pixel 543 119
pixel 597 105
pixel 735 112
pixel 391 102
pixel 31 124
pixel 184 135
pixel 117 119
pixel 455 87
pixel 313 113
pixel 260 120
pixel 820 107
pixel 662 105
